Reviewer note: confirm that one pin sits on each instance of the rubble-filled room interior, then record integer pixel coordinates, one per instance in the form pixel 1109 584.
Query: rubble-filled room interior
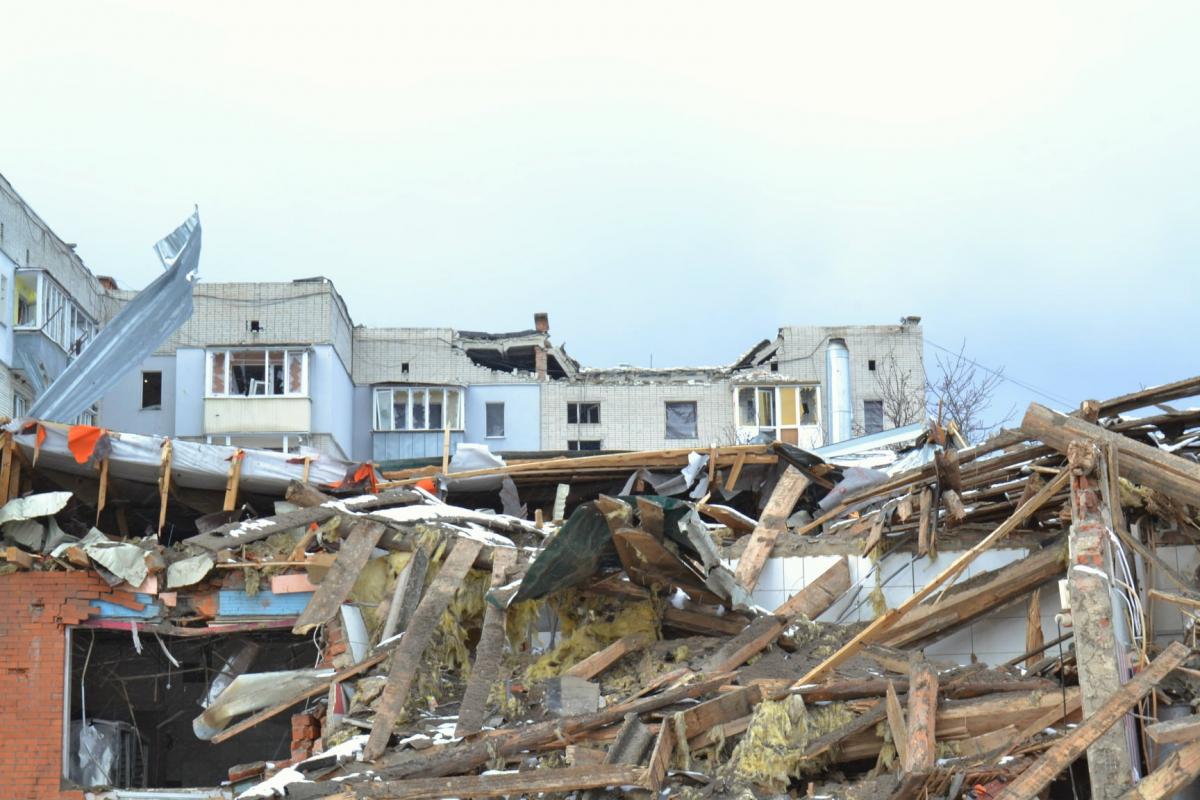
pixel 900 616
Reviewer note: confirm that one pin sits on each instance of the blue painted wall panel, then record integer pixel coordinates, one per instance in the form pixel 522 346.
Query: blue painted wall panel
pixel 114 611
pixel 236 603
pixel 393 445
pixel 522 416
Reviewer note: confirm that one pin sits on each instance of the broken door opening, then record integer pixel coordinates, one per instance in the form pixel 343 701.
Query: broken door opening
pixel 130 716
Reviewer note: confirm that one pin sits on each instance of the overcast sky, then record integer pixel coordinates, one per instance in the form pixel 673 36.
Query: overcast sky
pixel 668 180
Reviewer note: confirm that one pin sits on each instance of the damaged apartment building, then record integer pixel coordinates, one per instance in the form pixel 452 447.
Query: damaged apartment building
pixel 281 366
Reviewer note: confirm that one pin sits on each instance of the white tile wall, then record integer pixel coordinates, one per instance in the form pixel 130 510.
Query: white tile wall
pixel 995 639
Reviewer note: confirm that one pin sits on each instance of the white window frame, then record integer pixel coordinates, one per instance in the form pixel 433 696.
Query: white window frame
pixel 56 314
pixel 391 391
pixel 503 422
pixel 229 351
pixel 777 403
pixel 578 406
pixel 666 418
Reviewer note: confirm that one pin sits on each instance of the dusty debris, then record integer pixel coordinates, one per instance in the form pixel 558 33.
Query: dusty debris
pixel 449 651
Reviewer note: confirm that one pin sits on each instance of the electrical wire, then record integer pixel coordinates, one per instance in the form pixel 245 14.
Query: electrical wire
pixel 999 374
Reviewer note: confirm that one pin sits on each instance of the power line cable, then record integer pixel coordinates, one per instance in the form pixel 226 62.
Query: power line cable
pixel 999 374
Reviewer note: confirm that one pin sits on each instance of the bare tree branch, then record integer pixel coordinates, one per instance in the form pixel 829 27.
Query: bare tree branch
pixel 963 393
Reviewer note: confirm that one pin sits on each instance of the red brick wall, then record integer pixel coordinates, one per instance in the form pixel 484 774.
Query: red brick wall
pixel 34 608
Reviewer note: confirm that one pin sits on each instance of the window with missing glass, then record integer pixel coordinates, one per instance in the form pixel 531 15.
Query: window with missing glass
pixel 583 444
pixel 873 416
pixel 257 373
pixel 418 408
pixel 495 420
pixel 681 419
pixel 151 389
pixel 583 413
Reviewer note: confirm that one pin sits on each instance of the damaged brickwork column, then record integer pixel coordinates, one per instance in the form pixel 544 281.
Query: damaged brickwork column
pixel 1088 581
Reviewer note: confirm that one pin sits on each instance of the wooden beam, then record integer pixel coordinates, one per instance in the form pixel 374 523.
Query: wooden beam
pixel 409 586
pixel 1037 777
pixel 814 599
pixel 921 749
pixel 771 523
pixel 531 782
pixel 1141 463
pixel 755 638
pixel 1175 731
pixel 6 465
pixel 925 510
pixel 485 671
pixel 164 482
pixel 735 472
pixel 604 658
pixel 233 481
pixel 984 594
pixel 1178 771
pixel 335 587
pixel 1035 639
pixel 406 659
pixel 466 755
pixel 897 724
pixel 102 489
pixel 887 620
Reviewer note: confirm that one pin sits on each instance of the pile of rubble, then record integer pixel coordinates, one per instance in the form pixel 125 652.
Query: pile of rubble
pixel 620 646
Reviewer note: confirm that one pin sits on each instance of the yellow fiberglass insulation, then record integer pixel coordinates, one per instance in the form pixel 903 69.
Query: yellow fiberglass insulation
pixel 583 637
pixel 771 752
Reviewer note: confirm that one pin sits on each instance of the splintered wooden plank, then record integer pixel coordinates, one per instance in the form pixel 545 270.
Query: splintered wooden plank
pixel 923 521
pixel 601 660
pixel 531 782
pixel 406 659
pixel 336 586
pixel 1141 463
pixel 784 496
pixel 814 599
pixel 1179 770
pixel 1175 731
pixel 886 621
pixel 660 757
pixel 649 563
pixel 486 669
pixel 1037 777
pixel 921 748
pixel 897 723
pixel 755 638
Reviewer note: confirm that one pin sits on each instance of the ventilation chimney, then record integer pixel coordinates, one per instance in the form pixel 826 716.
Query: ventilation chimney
pixel 541 322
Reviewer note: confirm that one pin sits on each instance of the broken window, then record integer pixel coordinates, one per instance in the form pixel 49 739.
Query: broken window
pixel 151 390
pixel 131 713
pixel 583 413
pixel 681 420
pixel 26 292
pixel 873 416
pixel 404 408
pixel 777 410
pixel 495 420
pixel 257 373
pixel 746 413
pixel 583 444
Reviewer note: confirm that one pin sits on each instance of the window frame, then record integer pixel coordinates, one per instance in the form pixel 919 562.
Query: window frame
pixel 227 374
pixel 56 314
pixel 426 391
pixel 667 419
pixel 866 416
pixel 487 422
pixel 577 407
pixel 578 448
pixel 777 415
pixel 153 406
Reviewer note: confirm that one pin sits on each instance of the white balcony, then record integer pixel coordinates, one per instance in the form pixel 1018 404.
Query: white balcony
pixel 257 415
